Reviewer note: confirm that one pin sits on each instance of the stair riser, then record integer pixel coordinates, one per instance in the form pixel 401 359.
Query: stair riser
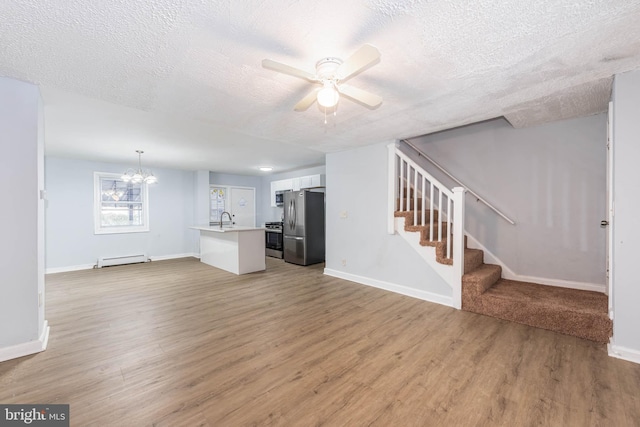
pixel 472 260
pixel 594 327
pixel 483 279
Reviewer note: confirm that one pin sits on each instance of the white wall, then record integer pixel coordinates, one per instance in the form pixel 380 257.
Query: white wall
pixel 21 225
pixel 357 185
pixel 201 198
pixel 626 226
pixel 269 213
pixel 70 238
pixel 549 179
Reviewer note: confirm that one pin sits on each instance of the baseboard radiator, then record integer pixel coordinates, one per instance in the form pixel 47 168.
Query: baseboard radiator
pixel 121 260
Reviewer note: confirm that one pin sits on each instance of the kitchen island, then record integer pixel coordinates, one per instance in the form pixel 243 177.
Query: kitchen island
pixel 238 250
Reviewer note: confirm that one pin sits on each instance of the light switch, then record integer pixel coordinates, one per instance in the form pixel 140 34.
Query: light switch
pixel 344 214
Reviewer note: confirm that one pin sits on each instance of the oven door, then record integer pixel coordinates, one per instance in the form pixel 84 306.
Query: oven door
pixel 273 240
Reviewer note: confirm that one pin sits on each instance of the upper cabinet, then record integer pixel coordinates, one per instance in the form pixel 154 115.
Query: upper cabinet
pixel 311 181
pixel 299 183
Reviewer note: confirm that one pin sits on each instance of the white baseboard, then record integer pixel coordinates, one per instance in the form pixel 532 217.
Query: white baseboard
pixel 623 353
pixel 27 348
pixel 90 266
pixel 69 268
pixel 166 257
pixel 509 274
pixel 392 287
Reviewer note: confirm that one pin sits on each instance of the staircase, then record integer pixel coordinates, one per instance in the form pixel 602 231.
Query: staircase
pixel 579 313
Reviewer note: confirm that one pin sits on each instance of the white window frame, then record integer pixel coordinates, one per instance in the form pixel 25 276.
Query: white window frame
pixel 97 207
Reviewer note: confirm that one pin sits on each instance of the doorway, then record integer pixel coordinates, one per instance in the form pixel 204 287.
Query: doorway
pixel 240 202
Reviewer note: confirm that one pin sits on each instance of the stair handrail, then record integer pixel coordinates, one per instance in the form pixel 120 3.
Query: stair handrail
pixel 443 170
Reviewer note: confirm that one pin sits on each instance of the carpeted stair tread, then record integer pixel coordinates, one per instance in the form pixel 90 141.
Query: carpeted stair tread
pixel 569 311
pixel 479 280
pixel 415 228
pixel 593 302
pixel 408 218
pixel 425 237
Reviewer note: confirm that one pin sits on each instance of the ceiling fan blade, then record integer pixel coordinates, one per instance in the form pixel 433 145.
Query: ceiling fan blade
pixel 307 101
pixel 287 69
pixel 362 96
pixel 361 59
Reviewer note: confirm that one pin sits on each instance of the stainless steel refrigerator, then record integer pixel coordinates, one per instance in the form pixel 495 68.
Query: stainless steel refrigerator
pixel 303 227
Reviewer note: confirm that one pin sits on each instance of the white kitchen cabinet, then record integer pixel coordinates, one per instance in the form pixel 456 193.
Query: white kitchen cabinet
pixel 317 180
pixel 295 184
pixel 309 181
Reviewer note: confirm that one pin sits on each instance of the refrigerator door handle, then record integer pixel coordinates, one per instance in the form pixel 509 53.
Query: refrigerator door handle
pixel 295 213
pixel 294 238
pixel 292 214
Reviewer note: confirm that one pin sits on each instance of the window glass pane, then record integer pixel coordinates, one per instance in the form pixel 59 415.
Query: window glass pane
pixel 121 215
pixel 218 201
pixel 117 190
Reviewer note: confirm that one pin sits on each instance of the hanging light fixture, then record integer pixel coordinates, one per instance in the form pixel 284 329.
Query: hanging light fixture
pixel 328 96
pixel 139 176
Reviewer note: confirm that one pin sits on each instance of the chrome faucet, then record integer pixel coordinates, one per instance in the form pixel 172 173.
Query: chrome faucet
pixel 222 216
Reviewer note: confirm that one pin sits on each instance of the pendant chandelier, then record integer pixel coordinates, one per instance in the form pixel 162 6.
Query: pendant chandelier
pixel 139 176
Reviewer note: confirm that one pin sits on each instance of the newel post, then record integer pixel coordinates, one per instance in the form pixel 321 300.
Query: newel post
pixel 458 244
pixel 392 175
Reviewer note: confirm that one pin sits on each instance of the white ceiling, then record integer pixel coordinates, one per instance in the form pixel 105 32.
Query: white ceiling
pixel 182 79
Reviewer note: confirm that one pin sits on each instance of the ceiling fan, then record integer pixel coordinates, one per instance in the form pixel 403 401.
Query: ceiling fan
pixel 331 73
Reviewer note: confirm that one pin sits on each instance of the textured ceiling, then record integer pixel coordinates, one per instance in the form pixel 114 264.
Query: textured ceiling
pixel 182 79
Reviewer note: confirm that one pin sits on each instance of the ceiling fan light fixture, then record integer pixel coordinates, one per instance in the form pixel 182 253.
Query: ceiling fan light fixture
pixel 331 73
pixel 328 96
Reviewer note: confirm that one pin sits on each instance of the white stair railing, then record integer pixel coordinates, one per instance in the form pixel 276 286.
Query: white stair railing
pixel 457 181
pixel 410 189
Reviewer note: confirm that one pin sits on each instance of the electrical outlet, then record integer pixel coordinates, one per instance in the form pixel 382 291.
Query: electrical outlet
pixel 344 262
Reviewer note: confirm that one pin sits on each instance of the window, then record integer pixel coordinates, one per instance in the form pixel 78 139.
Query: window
pixel 218 204
pixel 120 207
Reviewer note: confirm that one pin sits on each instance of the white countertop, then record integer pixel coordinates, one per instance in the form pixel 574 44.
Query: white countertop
pixel 226 228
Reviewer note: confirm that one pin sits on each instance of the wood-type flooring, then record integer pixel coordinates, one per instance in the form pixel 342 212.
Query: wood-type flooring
pixel 179 343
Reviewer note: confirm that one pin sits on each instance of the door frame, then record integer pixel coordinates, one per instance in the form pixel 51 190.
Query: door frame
pixel 609 272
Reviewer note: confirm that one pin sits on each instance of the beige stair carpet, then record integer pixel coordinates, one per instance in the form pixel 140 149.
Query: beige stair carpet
pixel 569 311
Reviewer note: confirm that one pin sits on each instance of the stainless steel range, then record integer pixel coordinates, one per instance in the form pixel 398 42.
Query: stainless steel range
pixel 273 238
